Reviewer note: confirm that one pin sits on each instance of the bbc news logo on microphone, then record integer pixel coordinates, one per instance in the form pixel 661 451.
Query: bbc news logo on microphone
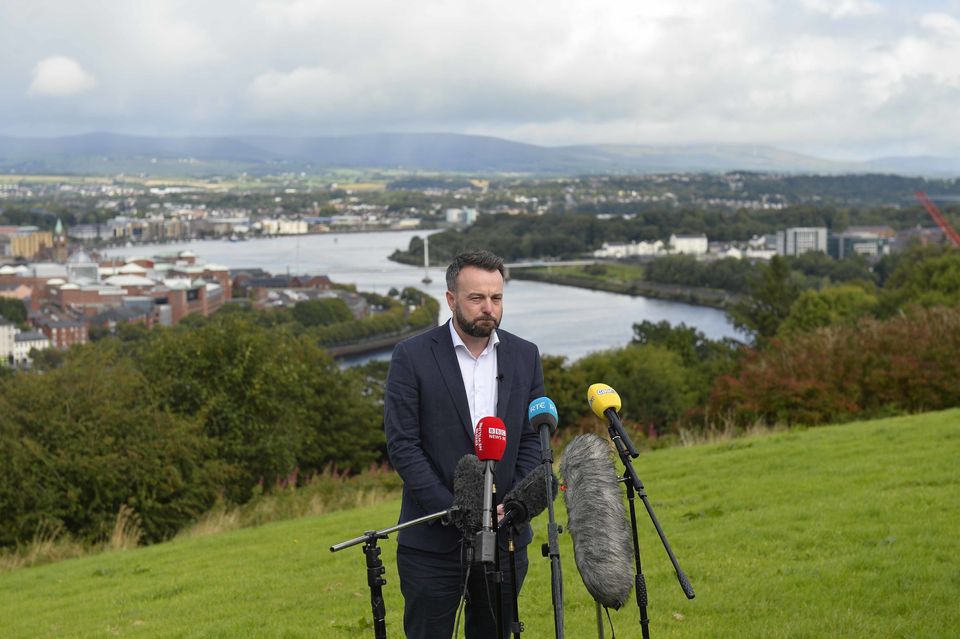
pixel 498 433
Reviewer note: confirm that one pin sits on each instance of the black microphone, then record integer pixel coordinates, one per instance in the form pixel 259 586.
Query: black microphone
pixel 468 494
pixel 597 520
pixel 528 498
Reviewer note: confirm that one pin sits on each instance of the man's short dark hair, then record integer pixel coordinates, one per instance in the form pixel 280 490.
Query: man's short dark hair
pixel 480 259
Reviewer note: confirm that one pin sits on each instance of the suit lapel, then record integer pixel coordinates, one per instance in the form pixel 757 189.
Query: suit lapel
pixel 449 368
pixel 505 374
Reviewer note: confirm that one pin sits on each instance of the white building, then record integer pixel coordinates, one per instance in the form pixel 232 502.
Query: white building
pixel 8 331
pixel 689 244
pixel 633 249
pixel 23 343
pixel 283 226
pixel 799 240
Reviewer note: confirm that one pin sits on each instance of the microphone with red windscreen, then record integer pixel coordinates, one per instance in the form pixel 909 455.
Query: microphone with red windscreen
pixel 490 439
pixel 489 442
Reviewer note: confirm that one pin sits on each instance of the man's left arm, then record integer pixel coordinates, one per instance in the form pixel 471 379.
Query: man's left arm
pixel 528 456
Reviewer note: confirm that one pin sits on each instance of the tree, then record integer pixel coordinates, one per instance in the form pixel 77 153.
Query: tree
pixel 924 277
pixel 80 441
pixel 13 310
pixel 843 304
pixel 271 400
pixel 650 380
pixel 322 312
pixel 771 294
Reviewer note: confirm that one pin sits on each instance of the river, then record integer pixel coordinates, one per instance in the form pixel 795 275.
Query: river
pixel 561 320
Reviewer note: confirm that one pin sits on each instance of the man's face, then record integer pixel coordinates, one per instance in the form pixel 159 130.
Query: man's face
pixel 477 304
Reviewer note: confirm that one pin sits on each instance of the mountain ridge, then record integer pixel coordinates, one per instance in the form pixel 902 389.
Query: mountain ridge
pixel 97 152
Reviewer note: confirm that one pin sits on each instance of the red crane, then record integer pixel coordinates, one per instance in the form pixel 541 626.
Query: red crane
pixel 937 216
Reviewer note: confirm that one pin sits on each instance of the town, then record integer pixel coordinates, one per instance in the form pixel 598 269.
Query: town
pixel 71 294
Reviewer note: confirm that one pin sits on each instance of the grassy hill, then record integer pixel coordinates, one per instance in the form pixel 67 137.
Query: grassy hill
pixel 846 531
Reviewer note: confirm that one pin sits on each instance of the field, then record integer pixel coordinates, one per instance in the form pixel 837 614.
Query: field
pixel 844 531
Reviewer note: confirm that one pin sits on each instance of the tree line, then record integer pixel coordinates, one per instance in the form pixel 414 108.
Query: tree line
pixel 577 232
pixel 168 421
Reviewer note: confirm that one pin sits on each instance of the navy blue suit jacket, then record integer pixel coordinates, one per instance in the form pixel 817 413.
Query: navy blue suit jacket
pixel 427 422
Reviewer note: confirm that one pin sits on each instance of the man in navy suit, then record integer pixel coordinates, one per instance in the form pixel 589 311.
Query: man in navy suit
pixel 439 385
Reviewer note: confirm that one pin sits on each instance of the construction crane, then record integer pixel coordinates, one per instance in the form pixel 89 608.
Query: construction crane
pixel 937 216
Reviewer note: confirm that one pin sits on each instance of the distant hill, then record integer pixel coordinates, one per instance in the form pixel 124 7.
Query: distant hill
pixel 434 152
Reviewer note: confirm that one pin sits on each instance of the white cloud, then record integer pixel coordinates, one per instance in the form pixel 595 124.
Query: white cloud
pixel 843 8
pixel 59 76
pixel 549 71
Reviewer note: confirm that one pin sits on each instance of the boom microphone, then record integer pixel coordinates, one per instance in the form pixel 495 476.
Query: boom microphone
pixel 605 402
pixel 527 499
pixel 597 520
pixel 490 440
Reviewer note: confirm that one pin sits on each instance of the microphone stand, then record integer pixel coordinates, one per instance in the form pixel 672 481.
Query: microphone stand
pixel 375 568
pixel 517 626
pixel 497 575
pixel 627 452
pixel 551 549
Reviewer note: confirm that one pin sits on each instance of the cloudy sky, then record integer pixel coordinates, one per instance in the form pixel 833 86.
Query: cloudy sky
pixel 845 79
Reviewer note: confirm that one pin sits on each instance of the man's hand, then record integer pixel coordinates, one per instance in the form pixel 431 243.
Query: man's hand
pixel 500 513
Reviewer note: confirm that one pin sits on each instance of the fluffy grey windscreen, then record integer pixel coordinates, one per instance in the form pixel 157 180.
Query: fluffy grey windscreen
pixel 597 520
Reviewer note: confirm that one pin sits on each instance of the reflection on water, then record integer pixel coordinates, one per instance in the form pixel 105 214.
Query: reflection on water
pixel 560 320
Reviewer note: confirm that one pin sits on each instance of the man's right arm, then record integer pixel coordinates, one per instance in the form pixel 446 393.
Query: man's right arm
pixel 401 423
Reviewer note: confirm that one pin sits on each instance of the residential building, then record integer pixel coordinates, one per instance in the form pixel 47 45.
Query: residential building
pixel 688 244
pixel 633 249
pixel 23 343
pixel 64 333
pixel 8 331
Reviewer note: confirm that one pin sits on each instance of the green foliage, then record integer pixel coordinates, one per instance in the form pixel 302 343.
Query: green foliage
pixel 83 440
pixel 651 381
pixel 703 359
pixel 271 401
pixel 908 363
pixel 834 305
pixel 819 268
pixel 170 420
pixel 926 277
pixel 729 274
pixel 567 386
pixel 48 359
pixel 772 293
pixel 13 310
pixel 321 312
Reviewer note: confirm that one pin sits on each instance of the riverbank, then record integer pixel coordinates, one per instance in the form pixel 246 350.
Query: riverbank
pixel 374 344
pixel 698 296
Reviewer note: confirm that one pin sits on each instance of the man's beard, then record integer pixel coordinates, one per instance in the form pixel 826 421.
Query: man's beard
pixel 473 328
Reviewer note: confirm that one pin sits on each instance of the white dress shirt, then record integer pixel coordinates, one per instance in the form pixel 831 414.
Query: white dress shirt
pixel 479 376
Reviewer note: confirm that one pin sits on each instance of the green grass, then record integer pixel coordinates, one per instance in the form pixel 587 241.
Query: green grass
pixel 845 531
pixel 617 273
